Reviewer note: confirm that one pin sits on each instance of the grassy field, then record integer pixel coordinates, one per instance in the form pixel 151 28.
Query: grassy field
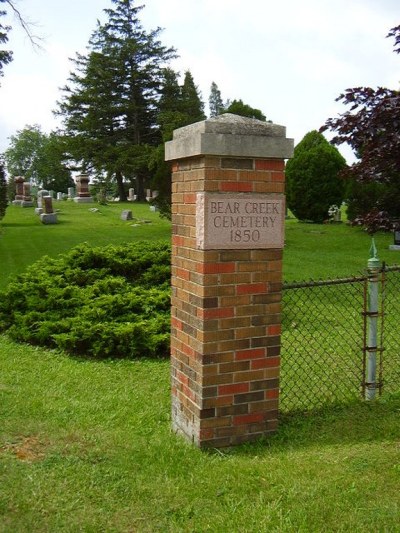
pixel 23 238
pixel 87 446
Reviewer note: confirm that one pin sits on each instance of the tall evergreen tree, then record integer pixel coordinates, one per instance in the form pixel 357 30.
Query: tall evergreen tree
pixel 170 108
pixel 215 102
pixel 178 107
pixel 110 109
pixel 192 104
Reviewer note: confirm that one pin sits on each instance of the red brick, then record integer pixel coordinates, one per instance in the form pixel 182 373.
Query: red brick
pixel 278 176
pixel 189 198
pixel 182 274
pixel 215 268
pixel 177 240
pixel 233 388
pixel 265 363
pixel 247 419
pixel 176 323
pixel 206 433
pixel 252 288
pixel 272 394
pixel 257 353
pixel 182 378
pixel 275 329
pixel 270 164
pixel 222 312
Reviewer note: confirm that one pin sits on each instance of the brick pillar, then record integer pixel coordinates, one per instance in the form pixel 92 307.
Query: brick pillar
pixel 227 239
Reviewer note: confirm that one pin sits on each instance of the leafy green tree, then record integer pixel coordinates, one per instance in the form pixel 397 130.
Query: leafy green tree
pixel 39 158
pixel 371 127
pixel 215 102
pixel 237 107
pixel 312 178
pixel 110 107
pixel 3 190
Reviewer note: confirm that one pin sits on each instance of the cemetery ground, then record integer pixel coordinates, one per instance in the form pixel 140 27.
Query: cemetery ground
pixel 87 446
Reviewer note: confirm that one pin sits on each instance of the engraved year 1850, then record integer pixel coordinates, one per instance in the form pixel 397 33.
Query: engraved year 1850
pixel 244 235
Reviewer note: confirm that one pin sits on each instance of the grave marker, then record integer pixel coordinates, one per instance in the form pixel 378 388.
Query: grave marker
pixel 48 216
pixel 82 189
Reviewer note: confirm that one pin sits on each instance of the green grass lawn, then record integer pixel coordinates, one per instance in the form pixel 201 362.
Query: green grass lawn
pixel 87 445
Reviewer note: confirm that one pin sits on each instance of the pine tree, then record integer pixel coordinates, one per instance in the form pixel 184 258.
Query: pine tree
pixel 215 102
pixel 170 108
pixel 179 106
pixel 110 110
pixel 192 104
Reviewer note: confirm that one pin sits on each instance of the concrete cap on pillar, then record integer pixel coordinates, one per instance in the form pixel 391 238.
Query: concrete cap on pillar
pixel 232 136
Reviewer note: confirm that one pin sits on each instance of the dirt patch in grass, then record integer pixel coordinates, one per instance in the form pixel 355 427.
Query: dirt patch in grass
pixel 27 449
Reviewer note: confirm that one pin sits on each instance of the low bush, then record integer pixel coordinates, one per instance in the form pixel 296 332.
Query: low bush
pixel 111 301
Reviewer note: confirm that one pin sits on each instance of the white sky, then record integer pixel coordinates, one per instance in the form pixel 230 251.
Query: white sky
pixel 289 58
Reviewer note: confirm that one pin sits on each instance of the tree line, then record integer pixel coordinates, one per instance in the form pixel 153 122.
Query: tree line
pixel 120 104
pixel 122 101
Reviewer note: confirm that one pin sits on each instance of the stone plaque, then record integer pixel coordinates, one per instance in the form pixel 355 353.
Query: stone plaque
pixel 233 220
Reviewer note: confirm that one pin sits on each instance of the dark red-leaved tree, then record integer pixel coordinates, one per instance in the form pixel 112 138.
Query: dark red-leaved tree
pixel 372 128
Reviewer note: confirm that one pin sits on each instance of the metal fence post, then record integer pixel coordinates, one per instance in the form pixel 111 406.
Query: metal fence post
pixel 374 268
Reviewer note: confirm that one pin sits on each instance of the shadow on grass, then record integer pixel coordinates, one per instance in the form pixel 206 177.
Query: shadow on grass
pixel 15 224
pixel 358 422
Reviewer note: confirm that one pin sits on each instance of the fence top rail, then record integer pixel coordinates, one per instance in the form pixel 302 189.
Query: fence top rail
pixel 323 282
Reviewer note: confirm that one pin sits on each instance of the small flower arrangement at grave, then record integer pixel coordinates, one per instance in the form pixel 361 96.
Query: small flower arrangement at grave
pixel 334 213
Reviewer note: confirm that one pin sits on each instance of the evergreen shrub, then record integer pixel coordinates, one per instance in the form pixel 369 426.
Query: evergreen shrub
pixel 313 182
pixel 111 301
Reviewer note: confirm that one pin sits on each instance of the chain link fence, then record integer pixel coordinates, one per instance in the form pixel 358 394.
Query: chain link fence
pixel 323 340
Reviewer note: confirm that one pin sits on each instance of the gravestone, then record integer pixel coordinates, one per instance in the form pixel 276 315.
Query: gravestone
pixel 19 190
pixel 60 196
pixel 126 215
pixel 48 216
pixel 71 193
pixel 396 241
pixel 131 196
pixel 228 212
pixel 26 198
pixel 40 194
pixel 82 189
